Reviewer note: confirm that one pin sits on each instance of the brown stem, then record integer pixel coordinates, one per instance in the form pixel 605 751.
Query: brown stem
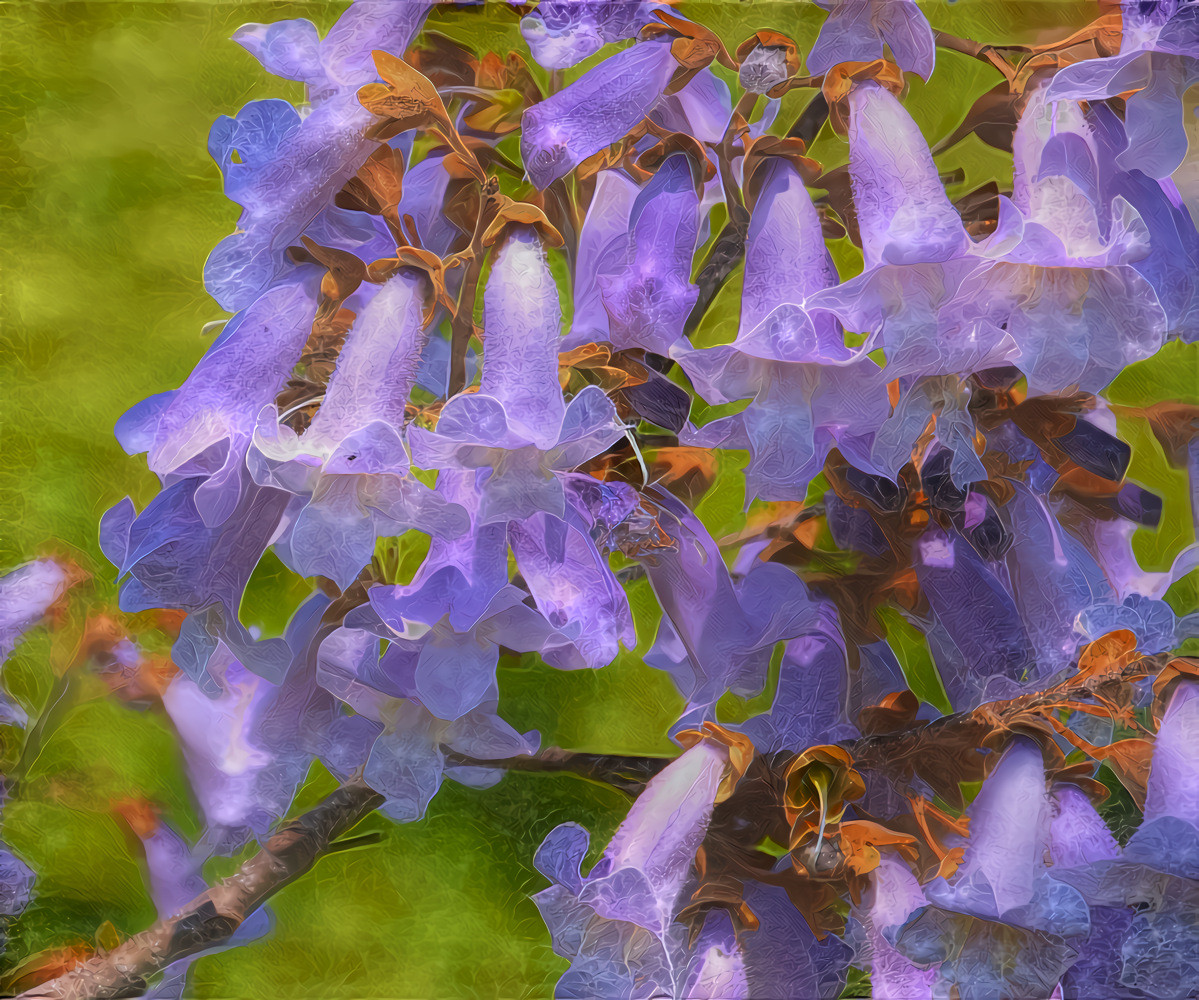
pixel 462 327
pixel 628 774
pixel 215 914
pixel 973 49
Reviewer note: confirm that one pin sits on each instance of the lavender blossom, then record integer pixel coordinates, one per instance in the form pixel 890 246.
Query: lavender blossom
pixel 596 110
pixel 351 464
pixel 203 428
pixel 27 593
pixel 715 635
pixel 607 221
pixel 518 424
pixel 561 33
pixel 858 30
pixel 288 169
pixel 248 740
pixel 809 391
pixel 893 896
pixel 1001 925
pixel 644 278
pixel 1159 60
pixel 408 743
pixel 616 924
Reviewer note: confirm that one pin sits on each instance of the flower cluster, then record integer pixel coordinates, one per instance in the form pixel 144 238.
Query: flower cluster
pixel 436 345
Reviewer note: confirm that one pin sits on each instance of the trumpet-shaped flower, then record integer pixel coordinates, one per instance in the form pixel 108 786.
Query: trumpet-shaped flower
pixel 893 896
pixel 808 390
pixel 26 594
pixel 858 30
pixel 644 277
pixel 407 743
pixel 517 424
pixel 248 740
pixel 595 111
pixel 1001 926
pixel 716 635
pixel 175 560
pixel 1158 60
pixel 203 428
pixel 351 463
pixel 288 169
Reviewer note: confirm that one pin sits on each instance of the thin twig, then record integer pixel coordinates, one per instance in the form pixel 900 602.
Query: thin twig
pixel 462 327
pixel 967 47
pixel 213 916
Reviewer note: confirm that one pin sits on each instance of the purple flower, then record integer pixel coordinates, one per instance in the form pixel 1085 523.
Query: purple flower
pixel 26 594
pixel 1172 261
pixel 203 428
pixel 287 169
pixel 595 111
pixel 645 278
pixel 715 635
pixel 925 289
pixel 999 926
pixel 607 221
pixel 1159 60
pixel 970 602
pixel 407 742
pixel 616 924
pixel 561 33
pixel 893 896
pixel 446 627
pixel 904 215
pixel 1172 794
pixel 1053 578
pixel 16 884
pixel 1157 871
pixel 175 560
pixel 1078 311
pixel 572 585
pixel 351 464
pixel 858 30
pixel 248 740
pixel 808 390
pixel 517 424
pixel 807 707
pixel 16 889
pixel 1078 837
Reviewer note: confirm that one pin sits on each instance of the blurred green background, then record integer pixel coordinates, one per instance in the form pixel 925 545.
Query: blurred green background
pixel 109 206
